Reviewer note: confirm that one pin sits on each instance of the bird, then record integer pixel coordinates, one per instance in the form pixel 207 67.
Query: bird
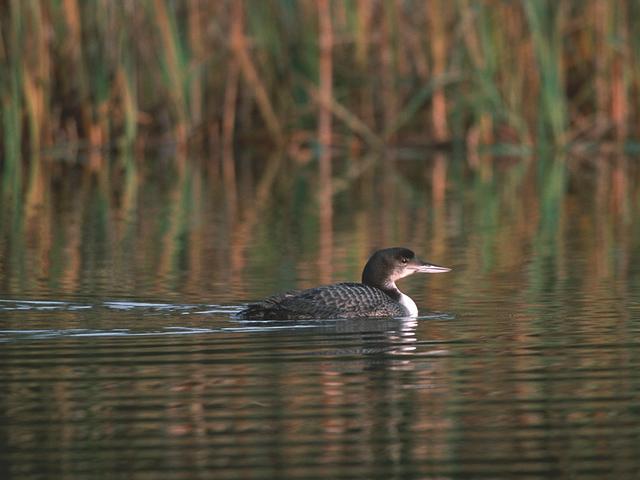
pixel 377 295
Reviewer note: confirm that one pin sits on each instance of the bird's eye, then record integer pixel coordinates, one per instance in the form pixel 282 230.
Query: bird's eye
pixel 405 260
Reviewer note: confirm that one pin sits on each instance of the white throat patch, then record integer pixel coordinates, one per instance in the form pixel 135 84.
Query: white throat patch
pixel 409 304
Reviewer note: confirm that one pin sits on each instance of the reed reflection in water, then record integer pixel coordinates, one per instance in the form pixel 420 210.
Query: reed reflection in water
pixel 120 356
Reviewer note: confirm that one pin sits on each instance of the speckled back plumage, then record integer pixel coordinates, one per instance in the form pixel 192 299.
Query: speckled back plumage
pixel 340 300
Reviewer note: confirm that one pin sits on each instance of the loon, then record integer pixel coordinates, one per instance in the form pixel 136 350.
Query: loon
pixel 376 296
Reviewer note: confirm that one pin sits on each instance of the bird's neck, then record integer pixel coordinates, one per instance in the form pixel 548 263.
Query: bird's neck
pixel 406 301
pixel 391 289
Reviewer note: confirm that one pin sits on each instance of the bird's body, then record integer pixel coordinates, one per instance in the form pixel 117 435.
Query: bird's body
pixel 376 296
pixel 340 300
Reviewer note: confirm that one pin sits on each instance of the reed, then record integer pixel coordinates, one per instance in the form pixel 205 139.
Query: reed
pixel 175 68
pixel 545 19
pixel 526 72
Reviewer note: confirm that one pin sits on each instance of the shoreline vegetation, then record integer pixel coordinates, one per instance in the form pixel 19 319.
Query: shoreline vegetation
pixel 92 76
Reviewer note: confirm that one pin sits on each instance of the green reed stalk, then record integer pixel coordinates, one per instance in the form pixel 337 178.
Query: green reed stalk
pixel 11 97
pixel 546 19
pixel 174 59
pixel 126 84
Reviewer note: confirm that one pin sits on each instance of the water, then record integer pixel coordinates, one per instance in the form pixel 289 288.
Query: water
pixel 120 356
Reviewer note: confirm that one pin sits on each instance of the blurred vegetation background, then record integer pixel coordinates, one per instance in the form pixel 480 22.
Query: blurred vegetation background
pixel 100 73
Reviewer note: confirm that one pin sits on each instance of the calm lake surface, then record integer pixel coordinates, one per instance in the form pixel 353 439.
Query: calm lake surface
pixel 120 356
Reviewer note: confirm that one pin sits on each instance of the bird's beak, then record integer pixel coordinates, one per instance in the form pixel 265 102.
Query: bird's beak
pixel 424 267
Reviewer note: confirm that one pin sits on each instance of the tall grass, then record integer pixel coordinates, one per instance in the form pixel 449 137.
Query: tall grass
pixel 545 19
pixel 94 74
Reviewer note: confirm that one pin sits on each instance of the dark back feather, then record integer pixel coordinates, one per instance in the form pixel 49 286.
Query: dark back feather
pixel 340 300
